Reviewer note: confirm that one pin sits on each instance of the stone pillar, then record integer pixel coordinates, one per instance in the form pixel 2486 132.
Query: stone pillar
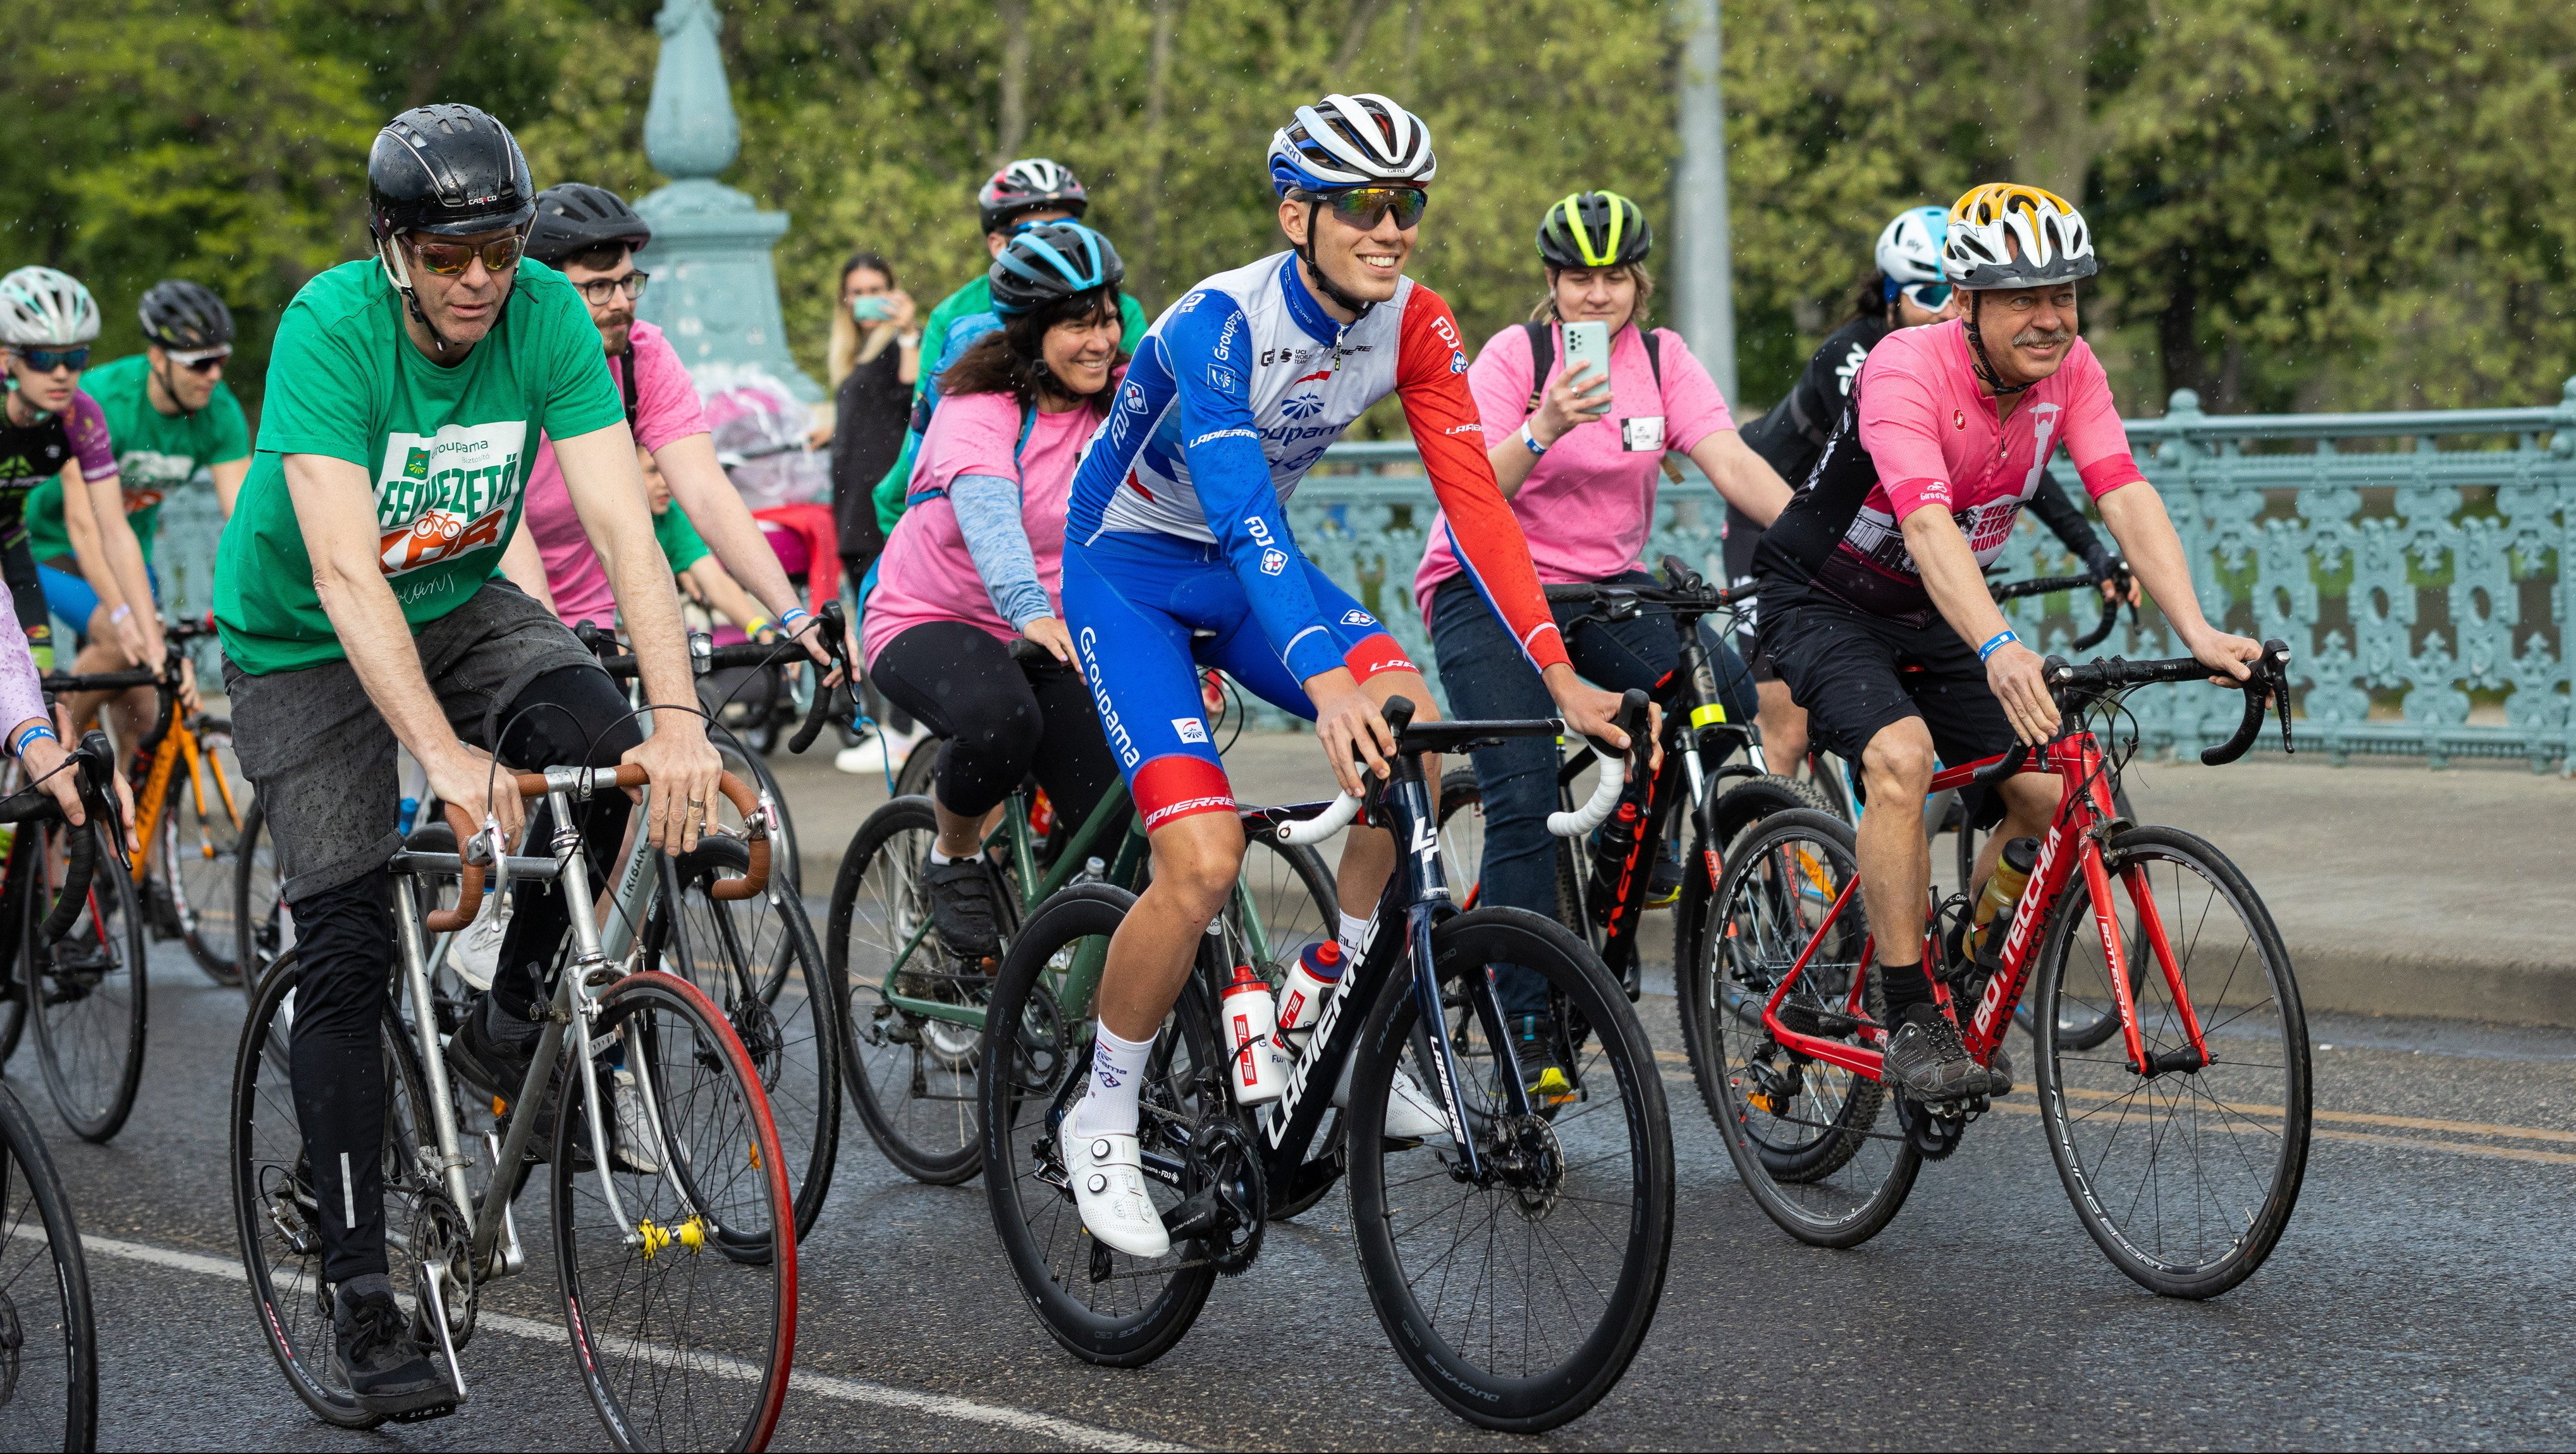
pixel 714 290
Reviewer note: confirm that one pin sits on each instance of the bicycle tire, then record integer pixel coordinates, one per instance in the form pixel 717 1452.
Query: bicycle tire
pixel 44 1314
pixel 2078 1090
pixel 911 1076
pixel 1569 1151
pixel 1026 1090
pixel 1816 1160
pixel 18 902
pixel 756 960
pixel 662 1319
pixel 90 1003
pixel 1285 926
pixel 920 767
pixel 2089 1033
pixel 258 913
pixel 1462 843
pixel 198 845
pixel 275 1211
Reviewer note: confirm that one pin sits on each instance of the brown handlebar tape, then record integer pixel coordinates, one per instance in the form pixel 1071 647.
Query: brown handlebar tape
pixel 469 901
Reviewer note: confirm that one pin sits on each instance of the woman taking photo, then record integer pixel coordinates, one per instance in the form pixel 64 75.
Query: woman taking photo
pixel 1578 461
pixel 874 358
pixel 976 563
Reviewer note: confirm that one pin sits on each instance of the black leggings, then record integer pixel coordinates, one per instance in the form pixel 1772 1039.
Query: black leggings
pixel 344 941
pixel 1003 721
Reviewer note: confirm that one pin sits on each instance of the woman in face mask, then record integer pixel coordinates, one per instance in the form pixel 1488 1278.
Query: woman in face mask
pixel 874 360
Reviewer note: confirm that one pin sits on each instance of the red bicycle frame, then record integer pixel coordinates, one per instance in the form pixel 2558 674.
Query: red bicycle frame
pixel 2073 846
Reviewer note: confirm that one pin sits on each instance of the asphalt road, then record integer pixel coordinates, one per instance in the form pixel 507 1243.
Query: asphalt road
pixel 2419 1298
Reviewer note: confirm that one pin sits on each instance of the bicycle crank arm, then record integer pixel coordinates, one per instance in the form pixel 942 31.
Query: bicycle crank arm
pixel 432 1273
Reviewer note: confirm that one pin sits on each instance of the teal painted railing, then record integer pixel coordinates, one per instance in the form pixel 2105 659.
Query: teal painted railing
pixel 2410 559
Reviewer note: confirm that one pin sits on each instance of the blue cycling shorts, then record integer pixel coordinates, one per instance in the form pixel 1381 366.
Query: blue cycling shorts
pixel 1146 613
pixel 70 597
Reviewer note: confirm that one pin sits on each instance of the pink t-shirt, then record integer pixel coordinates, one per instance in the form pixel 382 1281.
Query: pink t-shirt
pixel 927 573
pixel 666 409
pixel 1589 503
pixel 1935 439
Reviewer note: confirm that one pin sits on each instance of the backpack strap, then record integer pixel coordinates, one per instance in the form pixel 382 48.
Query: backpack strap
pixel 1028 426
pixel 1542 342
pixel 1654 361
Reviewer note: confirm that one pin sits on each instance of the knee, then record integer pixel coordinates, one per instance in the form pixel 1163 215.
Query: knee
pixel 1199 870
pixel 1900 759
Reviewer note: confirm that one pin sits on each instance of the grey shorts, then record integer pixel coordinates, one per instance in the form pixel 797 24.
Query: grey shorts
pixel 322 757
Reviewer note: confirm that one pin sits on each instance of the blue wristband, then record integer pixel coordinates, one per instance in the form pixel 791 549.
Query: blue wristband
pixel 1995 643
pixel 19 747
pixel 793 617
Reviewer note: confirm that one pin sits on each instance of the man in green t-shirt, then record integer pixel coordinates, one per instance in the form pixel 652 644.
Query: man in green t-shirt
pixel 170 414
pixel 355 591
pixel 1023 194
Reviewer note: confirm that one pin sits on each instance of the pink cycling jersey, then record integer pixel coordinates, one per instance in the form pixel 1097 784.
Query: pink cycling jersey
pixel 1934 438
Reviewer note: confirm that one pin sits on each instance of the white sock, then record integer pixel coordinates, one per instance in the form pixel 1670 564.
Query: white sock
pixel 1117 1074
pixel 938 857
pixel 1355 937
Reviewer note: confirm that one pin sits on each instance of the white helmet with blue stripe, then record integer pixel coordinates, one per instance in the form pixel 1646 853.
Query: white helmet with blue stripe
pixel 1909 248
pixel 1351 141
pixel 43 308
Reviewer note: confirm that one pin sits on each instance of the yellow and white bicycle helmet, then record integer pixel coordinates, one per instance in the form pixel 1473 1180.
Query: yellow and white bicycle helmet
pixel 2006 235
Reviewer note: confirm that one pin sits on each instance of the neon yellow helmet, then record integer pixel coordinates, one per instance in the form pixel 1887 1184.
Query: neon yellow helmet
pixel 1594 230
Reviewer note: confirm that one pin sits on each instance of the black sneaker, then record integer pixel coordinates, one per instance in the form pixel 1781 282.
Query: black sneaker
pixel 1542 1063
pixel 388 1370
pixel 1999 1081
pixel 493 1049
pixel 961 907
pixel 1926 1062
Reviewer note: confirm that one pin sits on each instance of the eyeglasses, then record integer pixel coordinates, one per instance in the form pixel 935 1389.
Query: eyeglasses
pixel 447 259
pixel 1930 297
pixel 46 360
pixel 597 290
pixel 1361 207
pixel 203 362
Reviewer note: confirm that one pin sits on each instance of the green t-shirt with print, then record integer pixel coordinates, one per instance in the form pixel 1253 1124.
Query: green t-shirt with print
pixel 156 453
pixel 449 448
pixel 681 544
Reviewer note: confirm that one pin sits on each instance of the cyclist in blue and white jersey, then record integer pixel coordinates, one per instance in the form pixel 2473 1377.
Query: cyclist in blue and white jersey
pixel 1178 555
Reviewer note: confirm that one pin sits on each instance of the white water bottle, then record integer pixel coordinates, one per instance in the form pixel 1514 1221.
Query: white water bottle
pixel 1312 979
pixel 1247 1020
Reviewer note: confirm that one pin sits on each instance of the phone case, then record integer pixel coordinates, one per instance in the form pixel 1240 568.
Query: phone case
pixel 1590 343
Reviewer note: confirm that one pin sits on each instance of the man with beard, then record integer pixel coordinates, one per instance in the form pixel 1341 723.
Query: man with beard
pixel 1874 603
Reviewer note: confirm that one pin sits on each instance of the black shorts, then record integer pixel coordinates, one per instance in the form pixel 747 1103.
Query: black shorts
pixel 1741 536
pixel 1855 673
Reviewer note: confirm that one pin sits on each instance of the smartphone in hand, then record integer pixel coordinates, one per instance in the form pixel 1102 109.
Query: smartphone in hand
pixel 1589 343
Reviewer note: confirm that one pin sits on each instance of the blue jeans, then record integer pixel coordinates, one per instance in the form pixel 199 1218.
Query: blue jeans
pixel 1485 675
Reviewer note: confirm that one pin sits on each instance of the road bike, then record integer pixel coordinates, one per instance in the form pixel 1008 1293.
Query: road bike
pixel 1515 1260
pixel 48 1334
pixel 2171 1046
pixel 917 1008
pixel 671 1217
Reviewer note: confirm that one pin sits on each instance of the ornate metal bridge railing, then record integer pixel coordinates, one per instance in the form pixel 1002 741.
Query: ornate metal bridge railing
pixel 2412 561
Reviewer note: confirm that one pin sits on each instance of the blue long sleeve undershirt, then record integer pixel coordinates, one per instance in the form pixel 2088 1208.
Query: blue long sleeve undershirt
pixel 988 515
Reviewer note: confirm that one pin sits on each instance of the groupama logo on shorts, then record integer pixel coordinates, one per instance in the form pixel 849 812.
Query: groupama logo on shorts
pixel 1302 406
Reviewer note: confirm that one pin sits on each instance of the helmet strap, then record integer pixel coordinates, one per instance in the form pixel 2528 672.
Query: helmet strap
pixel 169 382
pixel 1977 358
pixel 1324 284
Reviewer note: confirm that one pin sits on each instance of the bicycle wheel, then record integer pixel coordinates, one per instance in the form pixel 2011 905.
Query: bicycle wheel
pixel 2085 1028
pixel 920 769
pixel 86 993
pixel 17 898
pixel 1462 850
pixel 756 959
pixel 1293 893
pixel 2184 1178
pixel 678 1291
pixel 1805 1135
pixel 1102 1306
pixel 259 915
pixel 753 768
pixel 199 841
pixel 1517 1296
pixel 48 1339
pixel 275 1213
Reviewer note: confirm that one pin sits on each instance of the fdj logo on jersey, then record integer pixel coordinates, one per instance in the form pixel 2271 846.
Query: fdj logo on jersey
pixel 442 495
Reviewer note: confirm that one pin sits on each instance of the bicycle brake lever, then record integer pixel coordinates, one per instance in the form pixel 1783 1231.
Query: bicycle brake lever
pixel 2276 666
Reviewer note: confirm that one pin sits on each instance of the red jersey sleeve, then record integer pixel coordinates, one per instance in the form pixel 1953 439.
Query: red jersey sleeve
pixel 1431 379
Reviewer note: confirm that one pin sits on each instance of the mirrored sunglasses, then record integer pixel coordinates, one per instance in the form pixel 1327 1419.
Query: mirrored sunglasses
pixel 46 360
pixel 447 259
pixel 1930 297
pixel 1361 207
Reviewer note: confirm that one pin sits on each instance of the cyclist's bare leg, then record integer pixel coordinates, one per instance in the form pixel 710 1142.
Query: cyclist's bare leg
pixel 1196 862
pixel 959 835
pixel 2030 800
pixel 1895 858
pixel 1368 854
pixel 1784 728
pixel 133 710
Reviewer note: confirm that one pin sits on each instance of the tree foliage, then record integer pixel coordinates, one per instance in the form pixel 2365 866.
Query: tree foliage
pixel 2300 204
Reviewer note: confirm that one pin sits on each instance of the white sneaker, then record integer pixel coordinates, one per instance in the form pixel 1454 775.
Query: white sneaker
pixel 1109 1190
pixel 883 751
pixel 637 1147
pixel 1412 1113
pixel 476 954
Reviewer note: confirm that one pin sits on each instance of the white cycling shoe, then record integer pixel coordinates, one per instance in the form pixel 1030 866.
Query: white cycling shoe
pixel 1412 1113
pixel 1109 1190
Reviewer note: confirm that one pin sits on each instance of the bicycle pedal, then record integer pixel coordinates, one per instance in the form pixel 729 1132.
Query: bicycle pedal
pixel 423 1416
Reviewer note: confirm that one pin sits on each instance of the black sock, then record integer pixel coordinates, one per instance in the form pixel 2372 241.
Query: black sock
pixel 1905 985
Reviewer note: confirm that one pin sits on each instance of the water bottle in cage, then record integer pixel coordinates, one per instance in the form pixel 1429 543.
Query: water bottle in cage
pixel 1248 1023
pixel 1312 978
pixel 1617 857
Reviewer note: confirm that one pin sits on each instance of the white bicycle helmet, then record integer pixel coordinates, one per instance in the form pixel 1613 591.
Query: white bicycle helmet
pixel 42 308
pixel 1909 248
pixel 2006 235
pixel 1351 141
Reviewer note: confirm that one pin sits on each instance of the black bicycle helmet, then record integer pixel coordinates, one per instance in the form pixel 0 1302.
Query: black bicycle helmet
pixel 1594 230
pixel 449 170
pixel 1049 263
pixel 574 217
pixel 1030 184
pixel 185 316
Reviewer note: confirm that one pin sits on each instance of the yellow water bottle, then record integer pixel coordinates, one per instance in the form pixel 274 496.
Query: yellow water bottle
pixel 1993 917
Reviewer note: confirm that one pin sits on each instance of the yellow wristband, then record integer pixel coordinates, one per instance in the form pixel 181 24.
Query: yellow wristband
pixel 755 626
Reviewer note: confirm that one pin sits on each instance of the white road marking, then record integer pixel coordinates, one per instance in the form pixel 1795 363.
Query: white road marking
pixel 844 1390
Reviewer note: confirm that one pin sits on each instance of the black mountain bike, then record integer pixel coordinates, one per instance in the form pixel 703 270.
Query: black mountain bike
pixel 1515 1261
